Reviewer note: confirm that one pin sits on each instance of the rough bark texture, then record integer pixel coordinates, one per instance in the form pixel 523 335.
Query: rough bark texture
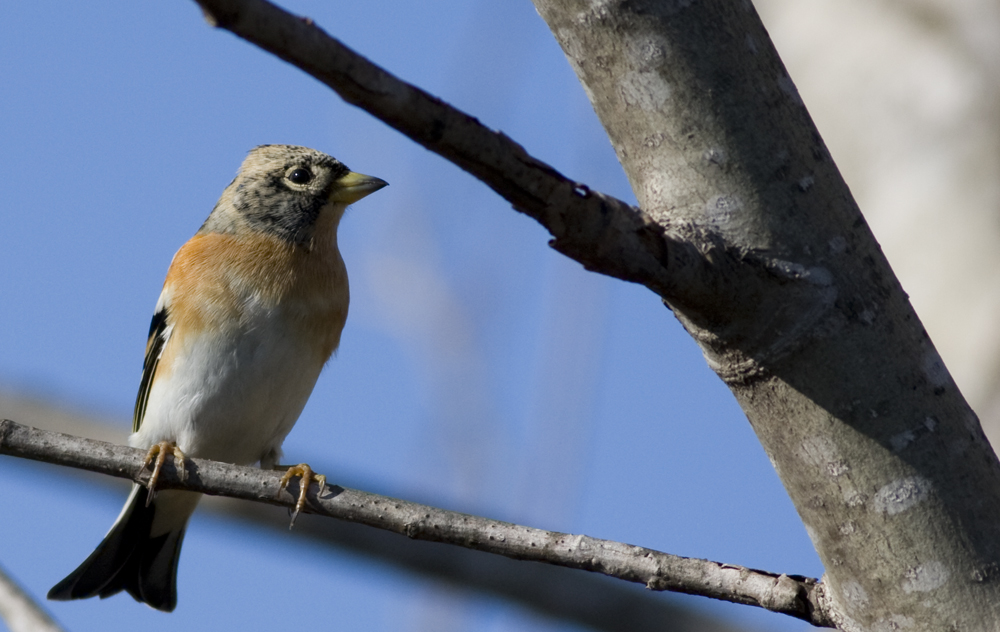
pixel 605 234
pixel 586 599
pixel 800 597
pixel 909 104
pixel 884 460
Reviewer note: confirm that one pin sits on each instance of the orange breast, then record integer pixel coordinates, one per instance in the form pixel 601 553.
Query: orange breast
pixel 221 283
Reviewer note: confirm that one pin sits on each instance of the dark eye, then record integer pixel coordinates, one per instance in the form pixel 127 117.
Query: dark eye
pixel 300 176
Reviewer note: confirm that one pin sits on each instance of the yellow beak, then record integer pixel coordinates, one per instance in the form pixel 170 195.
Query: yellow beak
pixel 354 186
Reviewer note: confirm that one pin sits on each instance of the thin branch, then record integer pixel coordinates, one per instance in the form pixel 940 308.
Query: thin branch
pixel 796 596
pixel 592 601
pixel 20 612
pixel 603 233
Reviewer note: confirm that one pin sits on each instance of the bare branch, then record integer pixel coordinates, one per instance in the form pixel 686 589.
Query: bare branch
pixel 603 233
pixel 751 235
pixel 20 612
pixel 796 596
pixel 590 600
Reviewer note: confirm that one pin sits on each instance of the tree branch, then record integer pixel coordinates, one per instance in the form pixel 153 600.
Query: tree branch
pixel 603 233
pixel 796 596
pixel 20 612
pixel 829 362
pixel 593 601
pixel 752 237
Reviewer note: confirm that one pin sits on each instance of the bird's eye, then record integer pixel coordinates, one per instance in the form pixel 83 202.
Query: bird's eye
pixel 300 176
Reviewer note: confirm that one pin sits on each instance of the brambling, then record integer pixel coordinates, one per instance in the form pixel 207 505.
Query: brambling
pixel 251 309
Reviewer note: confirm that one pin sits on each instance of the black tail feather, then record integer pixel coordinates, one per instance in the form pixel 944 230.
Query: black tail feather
pixel 153 575
pixel 129 559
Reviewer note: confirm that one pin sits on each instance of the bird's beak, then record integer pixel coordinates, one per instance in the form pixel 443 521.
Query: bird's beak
pixel 354 186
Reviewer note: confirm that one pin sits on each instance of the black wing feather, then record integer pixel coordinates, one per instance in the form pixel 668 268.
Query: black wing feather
pixel 154 349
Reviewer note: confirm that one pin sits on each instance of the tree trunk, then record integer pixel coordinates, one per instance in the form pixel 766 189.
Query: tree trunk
pixel 796 308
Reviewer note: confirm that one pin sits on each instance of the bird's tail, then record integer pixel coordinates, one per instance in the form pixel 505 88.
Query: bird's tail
pixel 139 554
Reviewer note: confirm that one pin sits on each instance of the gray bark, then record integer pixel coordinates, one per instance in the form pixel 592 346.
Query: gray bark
pixel 20 612
pixel 908 104
pixel 751 236
pixel 586 599
pixel 792 595
pixel 805 321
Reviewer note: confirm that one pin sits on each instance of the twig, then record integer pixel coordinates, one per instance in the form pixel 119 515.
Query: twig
pixel 586 599
pixel 20 612
pixel 603 233
pixel 796 596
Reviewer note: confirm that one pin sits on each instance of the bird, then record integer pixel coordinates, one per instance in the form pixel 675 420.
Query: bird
pixel 251 310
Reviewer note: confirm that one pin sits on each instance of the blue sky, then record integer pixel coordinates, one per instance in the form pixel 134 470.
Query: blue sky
pixel 479 369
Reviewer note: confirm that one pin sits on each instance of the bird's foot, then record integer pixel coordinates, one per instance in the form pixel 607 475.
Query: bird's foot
pixel 306 473
pixel 157 455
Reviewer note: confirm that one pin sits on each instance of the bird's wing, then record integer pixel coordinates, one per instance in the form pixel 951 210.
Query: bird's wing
pixel 159 333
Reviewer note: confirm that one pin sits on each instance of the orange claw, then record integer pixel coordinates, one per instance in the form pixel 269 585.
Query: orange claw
pixel 157 455
pixel 306 473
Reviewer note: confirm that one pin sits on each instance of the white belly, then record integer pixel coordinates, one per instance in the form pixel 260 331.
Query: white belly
pixel 234 398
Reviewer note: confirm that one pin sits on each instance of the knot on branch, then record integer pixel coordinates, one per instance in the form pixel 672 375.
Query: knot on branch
pixel 749 309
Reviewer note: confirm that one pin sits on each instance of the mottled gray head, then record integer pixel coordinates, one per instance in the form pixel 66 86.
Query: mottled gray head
pixel 283 190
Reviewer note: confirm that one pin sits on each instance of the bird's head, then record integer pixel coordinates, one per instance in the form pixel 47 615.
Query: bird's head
pixel 288 191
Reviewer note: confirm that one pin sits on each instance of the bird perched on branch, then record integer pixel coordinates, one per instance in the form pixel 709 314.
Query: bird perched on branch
pixel 251 309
